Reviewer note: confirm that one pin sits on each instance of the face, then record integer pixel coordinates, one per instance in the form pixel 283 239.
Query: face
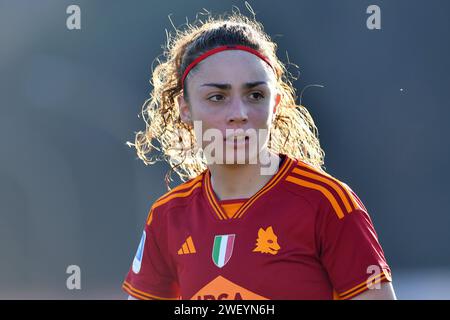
pixel 232 94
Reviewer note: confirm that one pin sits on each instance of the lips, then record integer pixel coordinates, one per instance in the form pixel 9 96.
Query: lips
pixel 236 138
pixel 236 134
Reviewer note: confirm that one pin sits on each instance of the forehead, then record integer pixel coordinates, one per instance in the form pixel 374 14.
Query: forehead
pixel 232 66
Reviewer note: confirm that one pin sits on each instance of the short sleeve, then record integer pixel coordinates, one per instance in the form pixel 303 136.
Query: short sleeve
pixel 352 254
pixel 150 275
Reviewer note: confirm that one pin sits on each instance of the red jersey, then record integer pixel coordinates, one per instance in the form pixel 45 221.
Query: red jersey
pixel 304 235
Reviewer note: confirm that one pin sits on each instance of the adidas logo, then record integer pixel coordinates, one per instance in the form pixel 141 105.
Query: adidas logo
pixel 187 247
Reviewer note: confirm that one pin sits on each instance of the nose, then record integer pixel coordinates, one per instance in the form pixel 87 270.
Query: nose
pixel 237 112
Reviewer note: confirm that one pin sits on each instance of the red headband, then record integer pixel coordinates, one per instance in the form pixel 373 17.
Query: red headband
pixel 219 49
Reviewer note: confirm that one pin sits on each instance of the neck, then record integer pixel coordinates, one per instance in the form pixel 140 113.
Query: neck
pixel 240 180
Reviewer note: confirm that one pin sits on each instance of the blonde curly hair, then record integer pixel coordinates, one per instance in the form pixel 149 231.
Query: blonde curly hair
pixel 166 137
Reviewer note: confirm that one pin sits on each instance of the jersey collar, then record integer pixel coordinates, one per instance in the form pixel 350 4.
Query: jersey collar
pixel 213 201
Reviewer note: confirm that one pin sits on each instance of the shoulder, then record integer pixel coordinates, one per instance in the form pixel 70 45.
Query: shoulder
pixel 322 190
pixel 178 197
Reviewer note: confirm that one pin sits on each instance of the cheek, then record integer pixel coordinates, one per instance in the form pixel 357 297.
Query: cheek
pixel 206 124
pixel 200 111
pixel 261 118
pixel 210 118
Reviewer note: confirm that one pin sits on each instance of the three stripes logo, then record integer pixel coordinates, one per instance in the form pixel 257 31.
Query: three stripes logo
pixel 187 247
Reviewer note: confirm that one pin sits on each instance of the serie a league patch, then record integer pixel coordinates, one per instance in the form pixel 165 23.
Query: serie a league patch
pixel 137 261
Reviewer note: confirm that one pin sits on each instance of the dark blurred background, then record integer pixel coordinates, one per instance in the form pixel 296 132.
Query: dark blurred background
pixel 73 193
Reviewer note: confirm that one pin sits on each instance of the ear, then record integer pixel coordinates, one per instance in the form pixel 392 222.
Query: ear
pixel 277 101
pixel 185 112
pixel 261 233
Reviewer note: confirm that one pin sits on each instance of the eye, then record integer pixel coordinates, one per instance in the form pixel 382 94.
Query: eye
pixel 256 96
pixel 216 98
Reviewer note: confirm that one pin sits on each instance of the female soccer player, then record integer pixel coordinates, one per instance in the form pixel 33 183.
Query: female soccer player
pixel 258 217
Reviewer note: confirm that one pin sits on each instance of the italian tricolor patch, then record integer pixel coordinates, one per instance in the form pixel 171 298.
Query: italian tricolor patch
pixel 222 249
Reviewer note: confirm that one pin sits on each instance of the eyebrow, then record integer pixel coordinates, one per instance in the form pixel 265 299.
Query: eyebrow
pixel 226 86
